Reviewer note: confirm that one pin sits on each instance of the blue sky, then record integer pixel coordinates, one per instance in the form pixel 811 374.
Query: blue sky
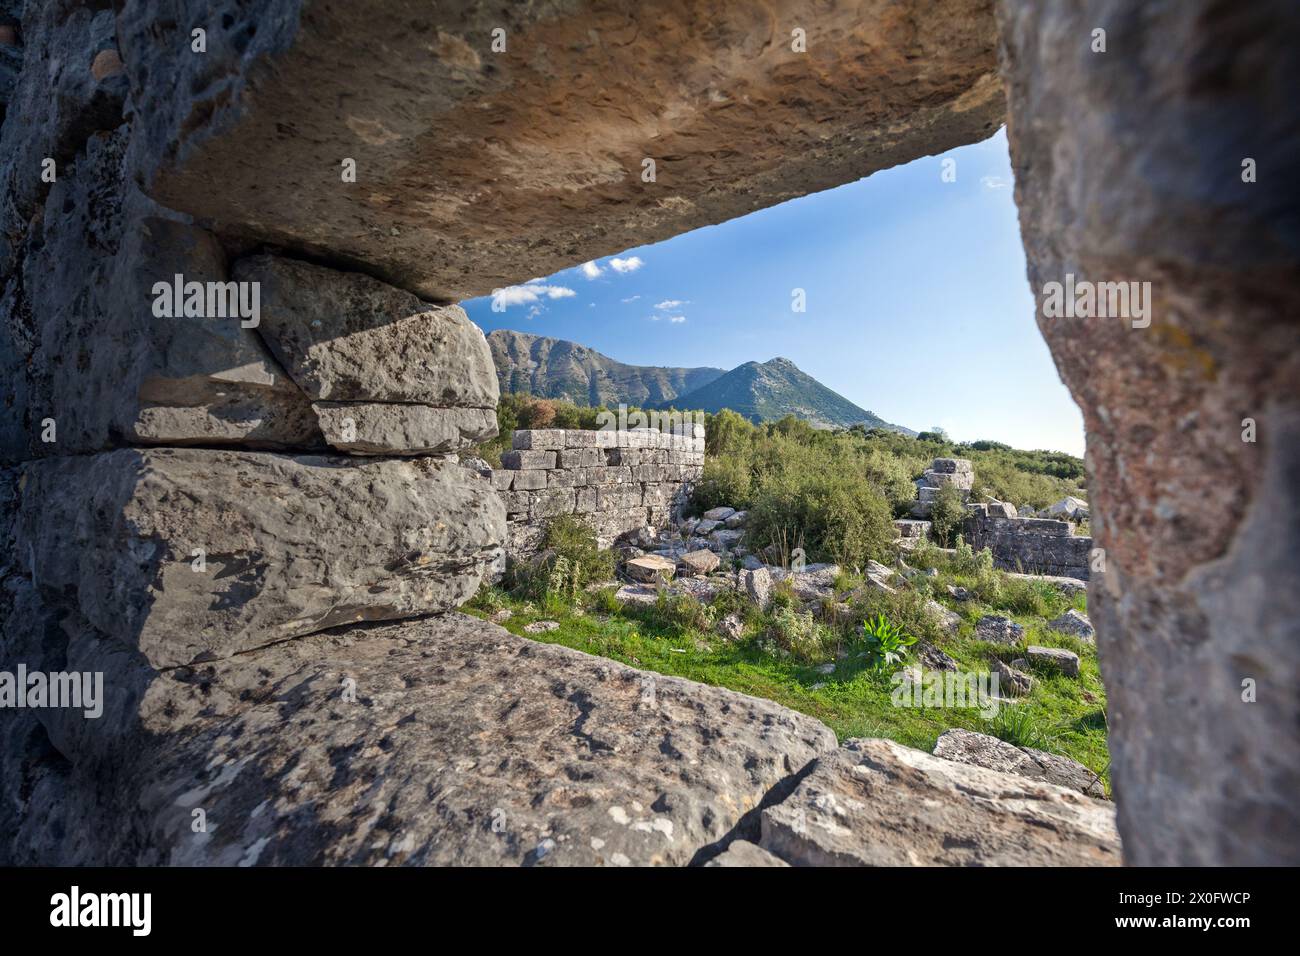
pixel 918 307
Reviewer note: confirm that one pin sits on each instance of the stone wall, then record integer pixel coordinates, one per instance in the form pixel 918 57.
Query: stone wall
pixel 1030 545
pixel 475 170
pixel 619 481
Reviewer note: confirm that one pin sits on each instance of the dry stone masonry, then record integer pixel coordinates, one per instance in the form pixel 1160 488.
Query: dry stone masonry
pixel 1029 545
pixel 249 519
pixel 618 480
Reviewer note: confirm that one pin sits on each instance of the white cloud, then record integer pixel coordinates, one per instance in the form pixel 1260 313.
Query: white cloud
pixel 591 270
pixel 671 303
pixel 995 182
pixel 532 291
pixel 630 264
pixel 674 319
pixel 632 299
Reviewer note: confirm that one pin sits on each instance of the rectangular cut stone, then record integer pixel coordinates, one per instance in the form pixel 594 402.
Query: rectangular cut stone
pixel 524 460
pixel 580 458
pixel 503 480
pixel 585 500
pixel 618 497
pixel 382 428
pixel 559 478
pixel 359 539
pixel 553 502
pixel 575 438
pixel 517 502
pixel 531 480
pixel 538 439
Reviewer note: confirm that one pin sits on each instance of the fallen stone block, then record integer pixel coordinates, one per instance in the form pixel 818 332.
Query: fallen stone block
pixel 878 803
pixel 999 630
pixel 650 568
pixel 981 750
pixel 377 745
pixel 1067 662
pixel 699 562
pixel 1074 624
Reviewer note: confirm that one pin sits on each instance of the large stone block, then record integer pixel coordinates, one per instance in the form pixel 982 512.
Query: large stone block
pixel 344 336
pixel 289 544
pixel 373 428
pixel 570 760
pixel 438 114
pixel 878 803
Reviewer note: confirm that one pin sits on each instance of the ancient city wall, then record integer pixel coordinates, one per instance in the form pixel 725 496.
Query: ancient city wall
pixel 618 481
pixel 1031 545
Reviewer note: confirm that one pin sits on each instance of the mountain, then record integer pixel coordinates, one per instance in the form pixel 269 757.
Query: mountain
pixel 554 368
pixel 764 391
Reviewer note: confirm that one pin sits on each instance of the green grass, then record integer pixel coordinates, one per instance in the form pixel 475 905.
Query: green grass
pixel 1062 715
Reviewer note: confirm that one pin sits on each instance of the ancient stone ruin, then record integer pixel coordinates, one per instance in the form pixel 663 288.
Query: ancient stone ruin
pixel 618 482
pixel 234 385
pixel 1029 545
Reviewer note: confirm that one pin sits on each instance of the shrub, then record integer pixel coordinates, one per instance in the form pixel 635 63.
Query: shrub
pixel 726 481
pixel 568 562
pixel 797 633
pixel 683 611
pixel 574 540
pixel 947 513
pixel 886 645
pixel 833 516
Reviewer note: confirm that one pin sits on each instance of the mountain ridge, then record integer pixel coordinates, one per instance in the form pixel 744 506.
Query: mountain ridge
pixel 557 368
pixel 761 391
pixel 764 391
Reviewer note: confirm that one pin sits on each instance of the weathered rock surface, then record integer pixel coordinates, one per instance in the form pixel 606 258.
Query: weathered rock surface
pixel 1011 679
pixel 343 336
pixel 744 853
pixel 981 750
pixel 999 629
pixel 99 363
pixel 1201 589
pixel 373 428
pixel 1054 658
pixel 699 562
pixel 720 97
pixel 1074 624
pixel 758 586
pixel 878 803
pixel 377 745
pixel 291 544
pixel 650 568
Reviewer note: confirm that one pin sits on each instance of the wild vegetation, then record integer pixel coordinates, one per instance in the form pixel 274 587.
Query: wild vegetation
pixel 837 660
pixel 833 493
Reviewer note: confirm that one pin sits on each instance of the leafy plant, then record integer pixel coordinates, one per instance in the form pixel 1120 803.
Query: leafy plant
pixel 886 644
